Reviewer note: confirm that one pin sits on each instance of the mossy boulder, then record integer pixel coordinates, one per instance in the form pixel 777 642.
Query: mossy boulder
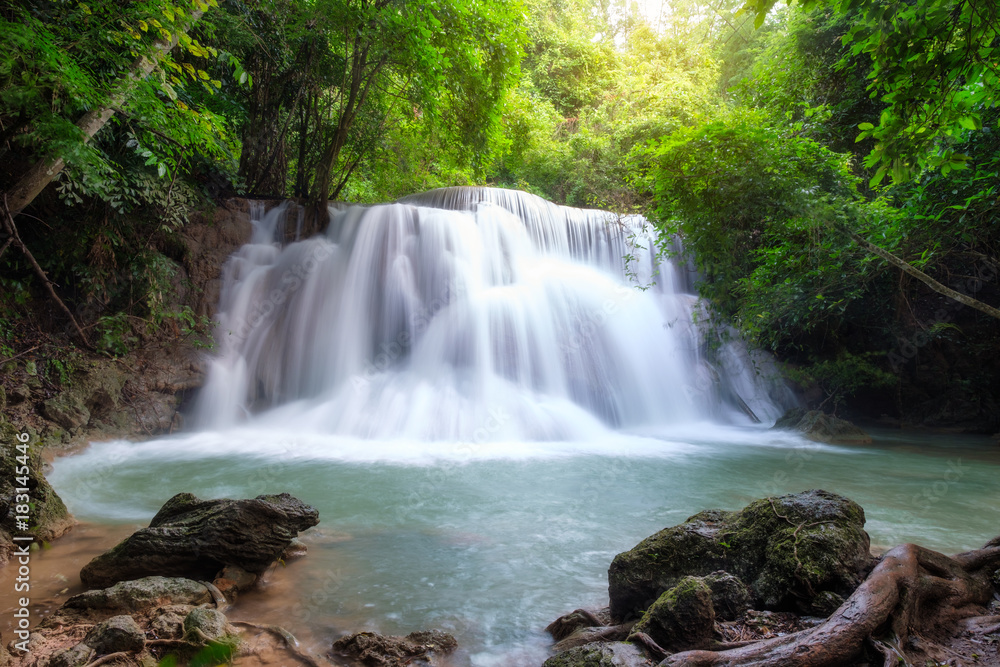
pixel 682 618
pixel 48 517
pixel 730 596
pixel 196 539
pixel 787 549
pixel 639 576
pixel 603 654
pixel 821 427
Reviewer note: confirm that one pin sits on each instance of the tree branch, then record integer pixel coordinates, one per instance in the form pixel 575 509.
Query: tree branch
pixel 918 274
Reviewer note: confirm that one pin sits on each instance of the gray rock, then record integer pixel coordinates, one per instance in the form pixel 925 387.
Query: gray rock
pixel 205 625
pixel 118 633
pixel 233 580
pixel 67 410
pixel 682 618
pixel 371 648
pixel 784 548
pixel 168 625
pixel 610 654
pixel 730 596
pixel 72 657
pixel 821 427
pixel 142 594
pixel 19 394
pixel 196 538
pixel 825 603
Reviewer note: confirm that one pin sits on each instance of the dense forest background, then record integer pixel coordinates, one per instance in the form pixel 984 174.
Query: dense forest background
pixel 832 165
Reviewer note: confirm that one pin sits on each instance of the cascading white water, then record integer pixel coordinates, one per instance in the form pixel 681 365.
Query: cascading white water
pixel 471 313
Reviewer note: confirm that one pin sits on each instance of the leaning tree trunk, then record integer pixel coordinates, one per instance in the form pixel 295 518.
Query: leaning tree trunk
pixel 911 592
pixel 46 169
pixel 908 268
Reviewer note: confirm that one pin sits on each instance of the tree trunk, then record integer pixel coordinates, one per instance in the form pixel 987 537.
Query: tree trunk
pixel 912 592
pixel 920 275
pixel 46 169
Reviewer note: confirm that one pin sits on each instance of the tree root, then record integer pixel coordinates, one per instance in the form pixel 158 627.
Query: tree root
pixel 11 228
pixel 111 657
pixel 911 592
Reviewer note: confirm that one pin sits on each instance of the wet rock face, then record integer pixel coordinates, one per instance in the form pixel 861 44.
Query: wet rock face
pixel 49 516
pixel 196 539
pixel 788 550
pixel 821 427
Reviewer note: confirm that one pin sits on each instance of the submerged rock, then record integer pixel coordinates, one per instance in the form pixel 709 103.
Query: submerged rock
pixel 787 549
pixel 608 654
pixel 370 648
pixel 196 539
pixel 821 427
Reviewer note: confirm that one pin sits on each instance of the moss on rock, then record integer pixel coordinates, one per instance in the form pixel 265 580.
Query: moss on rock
pixel 48 516
pixel 605 654
pixel 639 576
pixel 682 618
pixel 788 550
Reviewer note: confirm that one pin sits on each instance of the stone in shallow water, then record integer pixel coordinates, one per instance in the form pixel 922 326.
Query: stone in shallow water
pixel 375 650
pixel 821 427
pixel 610 654
pixel 787 549
pixel 196 538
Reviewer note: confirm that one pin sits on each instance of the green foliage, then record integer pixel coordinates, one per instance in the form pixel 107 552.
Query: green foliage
pixel 933 63
pixel 843 376
pixel 642 84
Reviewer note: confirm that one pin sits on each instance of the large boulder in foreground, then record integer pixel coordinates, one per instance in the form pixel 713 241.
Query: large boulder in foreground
pixel 818 426
pixel 788 550
pixel 196 538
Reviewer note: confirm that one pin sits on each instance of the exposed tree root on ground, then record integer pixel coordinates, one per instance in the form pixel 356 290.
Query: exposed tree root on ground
pixel 909 608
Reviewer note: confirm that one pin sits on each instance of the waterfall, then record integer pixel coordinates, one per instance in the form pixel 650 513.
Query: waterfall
pixel 463 314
